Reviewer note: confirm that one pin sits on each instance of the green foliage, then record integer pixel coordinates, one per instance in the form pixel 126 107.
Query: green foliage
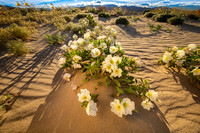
pixel 176 20
pixel 163 17
pixel 55 39
pixel 81 15
pixel 67 18
pixel 17 47
pixel 104 15
pixel 149 14
pixel 122 20
pixel 5 101
pixel 145 11
pixel 154 28
pixel 192 16
pixel 92 23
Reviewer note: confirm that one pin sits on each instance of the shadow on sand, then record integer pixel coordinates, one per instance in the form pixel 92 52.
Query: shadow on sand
pixel 186 85
pixel 29 67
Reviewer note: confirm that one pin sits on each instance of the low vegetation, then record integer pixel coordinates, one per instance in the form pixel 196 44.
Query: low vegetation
pixel 122 20
pixel 104 15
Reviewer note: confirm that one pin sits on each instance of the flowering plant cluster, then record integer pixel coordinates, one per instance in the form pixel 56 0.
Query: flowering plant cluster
pixel 99 55
pixel 187 58
pixel 88 101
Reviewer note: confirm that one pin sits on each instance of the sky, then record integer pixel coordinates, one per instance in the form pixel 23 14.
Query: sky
pixel 143 3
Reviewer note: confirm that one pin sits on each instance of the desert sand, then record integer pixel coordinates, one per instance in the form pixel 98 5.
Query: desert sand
pixel 46 103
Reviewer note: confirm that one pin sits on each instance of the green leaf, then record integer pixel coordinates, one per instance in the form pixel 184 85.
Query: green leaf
pixel 119 91
pixel 130 90
pixel 117 83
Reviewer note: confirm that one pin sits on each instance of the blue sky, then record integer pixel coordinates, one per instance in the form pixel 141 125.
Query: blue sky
pixel 151 3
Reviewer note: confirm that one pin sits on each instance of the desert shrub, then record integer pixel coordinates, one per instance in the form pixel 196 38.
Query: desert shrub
pixel 192 16
pixel 23 11
pixel 59 23
pixel 92 23
pixel 149 14
pixel 145 11
pixel 68 26
pixel 19 32
pixel 55 39
pixel 17 47
pixel 104 14
pixel 67 18
pixel 4 37
pixel 122 20
pixel 92 10
pixel 176 20
pixel 81 15
pixel 163 17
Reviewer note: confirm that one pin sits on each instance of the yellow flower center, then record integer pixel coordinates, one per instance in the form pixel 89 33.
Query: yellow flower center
pixel 84 97
pixel 118 107
pixel 117 71
pixel 125 104
pixel 96 53
pixel 111 61
pixel 149 94
pixel 108 67
pixel 113 49
pixel 66 78
pixel 146 103
pixel 197 71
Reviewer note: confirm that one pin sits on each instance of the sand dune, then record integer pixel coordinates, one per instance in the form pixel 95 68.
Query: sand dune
pixel 34 76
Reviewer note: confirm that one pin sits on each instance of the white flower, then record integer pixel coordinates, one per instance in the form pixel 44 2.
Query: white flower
pixel 61 61
pixel 74 47
pixel 89 46
pixel 196 71
pixel 95 52
pixel 117 72
pixel 103 46
pixel 74 87
pixel 84 95
pixel 80 41
pixel 147 104
pixel 108 28
pixel 113 32
pixel 180 53
pixel 70 43
pixel 118 44
pixel 76 58
pixel 192 47
pixel 152 95
pixel 75 37
pixel 117 59
pixel 138 61
pixel 128 105
pixel 66 76
pixel 75 66
pixel 64 47
pixel 108 67
pixel 113 49
pixel 101 38
pixel 175 48
pixel 117 108
pixel 167 57
pixel 91 108
pixel 87 36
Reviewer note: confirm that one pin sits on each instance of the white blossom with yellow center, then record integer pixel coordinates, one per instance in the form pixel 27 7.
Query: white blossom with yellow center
pixel 180 53
pixel 76 58
pixel 95 52
pixel 152 95
pixel 192 47
pixel 113 49
pixel 128 105
pixel 117 72
pixel 146 104
pixel 84 95
pixel 196 71
pixel 117 108
pixel 66 76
